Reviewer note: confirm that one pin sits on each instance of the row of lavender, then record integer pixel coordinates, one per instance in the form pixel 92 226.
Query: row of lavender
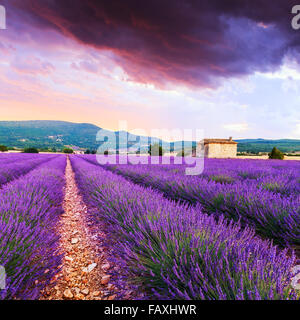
pixel 175 251
pixel 13 166
pixel 29 212
pixel 274 215
pixel 279 177
pixel 6 158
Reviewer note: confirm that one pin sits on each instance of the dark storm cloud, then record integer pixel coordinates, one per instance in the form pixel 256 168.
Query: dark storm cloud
pixel 194 42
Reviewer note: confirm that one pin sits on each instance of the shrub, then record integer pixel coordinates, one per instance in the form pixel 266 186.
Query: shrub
pixel 68 150
pixel 31 150
pixel 156 150
pixel 276 154
pixel 3 148
pixel 274 187
pixel 222 179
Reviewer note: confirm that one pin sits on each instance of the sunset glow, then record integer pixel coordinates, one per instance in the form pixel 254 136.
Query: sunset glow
pixel 101 65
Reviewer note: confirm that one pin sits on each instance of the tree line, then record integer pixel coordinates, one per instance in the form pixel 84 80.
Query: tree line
pixel 154 150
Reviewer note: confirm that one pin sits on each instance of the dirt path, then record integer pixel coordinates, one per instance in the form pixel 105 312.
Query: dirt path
pixel 84 270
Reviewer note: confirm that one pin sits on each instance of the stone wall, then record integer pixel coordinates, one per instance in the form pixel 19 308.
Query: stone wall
pixel 220 150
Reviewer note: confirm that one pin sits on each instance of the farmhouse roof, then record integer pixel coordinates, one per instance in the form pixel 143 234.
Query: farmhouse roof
pixel 220 141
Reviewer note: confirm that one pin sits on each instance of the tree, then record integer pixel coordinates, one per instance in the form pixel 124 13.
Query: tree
pixel 181 153
pixel 31 150
pixel 276 154
pixel 156 150
pixel 87 151
pixel 68 150
pixel 3 148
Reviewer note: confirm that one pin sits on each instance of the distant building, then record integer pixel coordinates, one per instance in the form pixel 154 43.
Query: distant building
pixel 219 148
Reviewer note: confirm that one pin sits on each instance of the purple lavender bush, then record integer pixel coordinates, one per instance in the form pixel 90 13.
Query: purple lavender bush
pixel 15 157
pixel 266 198
pixel 175 251
pixel 29 212
pixel 12 167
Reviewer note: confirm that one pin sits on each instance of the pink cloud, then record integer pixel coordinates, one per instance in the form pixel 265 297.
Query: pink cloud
pixel 85 65
pixel 32 66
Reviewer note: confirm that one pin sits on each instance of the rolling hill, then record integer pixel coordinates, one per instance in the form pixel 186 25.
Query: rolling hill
pixel 57 134
pixel 264 145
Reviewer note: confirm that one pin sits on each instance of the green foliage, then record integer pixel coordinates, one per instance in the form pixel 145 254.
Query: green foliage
pixel 180 154
pixel 293 154
pixel 31 150
pixel 274 187
pixel 222 179
pixel 68 150
pixel 156 150
pixel 88 151
pixel 276 154
pixel 3 148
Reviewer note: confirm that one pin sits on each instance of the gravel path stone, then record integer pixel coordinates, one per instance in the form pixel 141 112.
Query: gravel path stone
pixel 84 274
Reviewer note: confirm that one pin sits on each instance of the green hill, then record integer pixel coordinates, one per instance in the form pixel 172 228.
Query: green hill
pixel 47 134
pixel 263 145
pixel 58 134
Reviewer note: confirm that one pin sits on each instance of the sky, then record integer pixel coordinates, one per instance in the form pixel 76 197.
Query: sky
pixel 230 68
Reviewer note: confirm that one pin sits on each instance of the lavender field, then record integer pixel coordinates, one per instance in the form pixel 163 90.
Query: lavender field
pixel 231 233
pixel 261 194
pixel 30 206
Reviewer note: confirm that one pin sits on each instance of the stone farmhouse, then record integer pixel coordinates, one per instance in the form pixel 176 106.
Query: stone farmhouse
pixel 219 148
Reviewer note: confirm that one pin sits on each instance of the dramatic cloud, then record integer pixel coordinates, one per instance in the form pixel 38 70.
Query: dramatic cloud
pixel 197 43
